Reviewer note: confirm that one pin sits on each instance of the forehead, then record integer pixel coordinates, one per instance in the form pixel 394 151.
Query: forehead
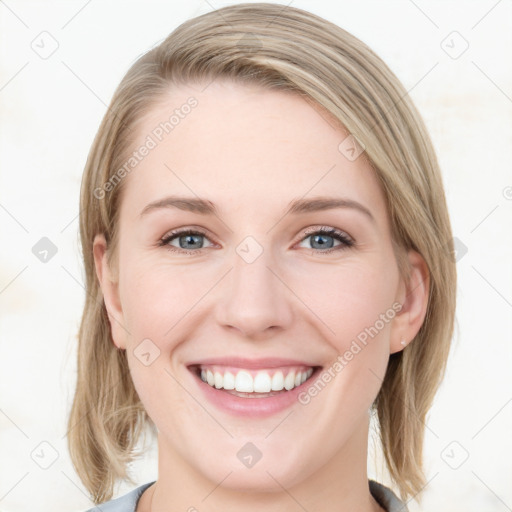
pixel 246 147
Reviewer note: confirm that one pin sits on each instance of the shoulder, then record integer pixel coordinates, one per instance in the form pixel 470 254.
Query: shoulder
pixel 386 497
pixel 125 503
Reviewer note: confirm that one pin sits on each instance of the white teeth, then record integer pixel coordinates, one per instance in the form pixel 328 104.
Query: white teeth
pixel 262 383
pixel 289 381
pixel 244 382
pixel 277 381
pixel 229 381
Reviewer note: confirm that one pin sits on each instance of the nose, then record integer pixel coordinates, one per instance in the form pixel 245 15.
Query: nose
pixel 254 300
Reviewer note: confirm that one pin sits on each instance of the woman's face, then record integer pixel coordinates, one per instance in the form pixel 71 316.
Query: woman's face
pixel 253 287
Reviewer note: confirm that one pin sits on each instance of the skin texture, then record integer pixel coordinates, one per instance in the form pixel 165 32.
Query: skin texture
pixel 251 151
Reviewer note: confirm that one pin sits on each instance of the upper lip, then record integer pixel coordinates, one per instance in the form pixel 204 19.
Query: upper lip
pixel 258 363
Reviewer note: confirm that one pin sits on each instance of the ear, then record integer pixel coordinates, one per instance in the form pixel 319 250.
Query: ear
pixel 414 299
pixel 110 289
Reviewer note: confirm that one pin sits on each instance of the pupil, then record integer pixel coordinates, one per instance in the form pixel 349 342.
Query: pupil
pixel 188 238
pixel 323 244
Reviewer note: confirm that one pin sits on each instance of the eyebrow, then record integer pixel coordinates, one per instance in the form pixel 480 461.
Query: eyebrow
pixel 297 206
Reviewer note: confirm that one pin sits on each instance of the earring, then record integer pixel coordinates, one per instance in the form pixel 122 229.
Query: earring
pixel 403 342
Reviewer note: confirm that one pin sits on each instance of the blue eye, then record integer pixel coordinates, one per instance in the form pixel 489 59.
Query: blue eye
pixel 187 239
pixel 320 236
pixel 190 240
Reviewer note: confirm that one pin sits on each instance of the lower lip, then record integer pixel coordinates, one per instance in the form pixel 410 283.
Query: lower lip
pixel 252 407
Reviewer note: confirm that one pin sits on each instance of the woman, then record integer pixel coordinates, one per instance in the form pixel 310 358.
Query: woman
pixel 268 259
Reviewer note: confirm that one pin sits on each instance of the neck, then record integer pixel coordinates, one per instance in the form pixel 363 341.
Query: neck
pixel 341 484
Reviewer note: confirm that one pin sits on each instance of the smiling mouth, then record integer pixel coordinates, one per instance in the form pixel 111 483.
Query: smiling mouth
pixel 250 383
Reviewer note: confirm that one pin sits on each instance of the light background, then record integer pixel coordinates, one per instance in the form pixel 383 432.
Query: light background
pixel 50 111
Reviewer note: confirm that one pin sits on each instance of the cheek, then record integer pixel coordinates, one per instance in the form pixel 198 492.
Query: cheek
pixel 157 295
pixel 348 297
pixel 156 300
pixel 355 308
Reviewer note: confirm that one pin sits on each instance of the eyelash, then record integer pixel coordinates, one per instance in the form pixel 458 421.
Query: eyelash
pixel 346 241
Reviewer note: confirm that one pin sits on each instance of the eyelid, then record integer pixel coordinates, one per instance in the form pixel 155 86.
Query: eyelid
pixel 328 229
pixel 185 229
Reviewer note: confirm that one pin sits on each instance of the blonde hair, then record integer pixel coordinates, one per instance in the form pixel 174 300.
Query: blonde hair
pixel 286 49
